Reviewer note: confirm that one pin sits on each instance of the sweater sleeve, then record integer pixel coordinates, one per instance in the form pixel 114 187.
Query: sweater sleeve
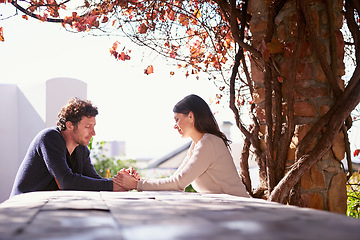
pixel 88 169
pixel 196 165
pixel 186 160
pixel 53 151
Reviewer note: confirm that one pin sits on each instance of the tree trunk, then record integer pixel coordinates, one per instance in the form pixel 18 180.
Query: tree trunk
pixel 310 88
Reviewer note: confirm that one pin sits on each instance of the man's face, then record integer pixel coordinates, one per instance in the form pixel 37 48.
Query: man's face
pixel 84 131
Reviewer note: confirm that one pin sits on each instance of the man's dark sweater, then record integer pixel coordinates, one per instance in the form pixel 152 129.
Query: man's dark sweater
pixel 48 158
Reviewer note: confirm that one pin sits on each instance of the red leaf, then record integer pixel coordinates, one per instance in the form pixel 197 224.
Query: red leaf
pixel 356 152
pixel 172 54
pixel 1 34
pixel 42 18
pixel 105 19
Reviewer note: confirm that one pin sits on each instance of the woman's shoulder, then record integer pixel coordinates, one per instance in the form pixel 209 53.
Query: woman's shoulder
pixel 211 138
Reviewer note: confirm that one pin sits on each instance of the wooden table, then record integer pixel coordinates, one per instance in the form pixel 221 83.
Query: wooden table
pixel 164 215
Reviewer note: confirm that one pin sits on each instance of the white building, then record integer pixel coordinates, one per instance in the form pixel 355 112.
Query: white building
pixel 24 112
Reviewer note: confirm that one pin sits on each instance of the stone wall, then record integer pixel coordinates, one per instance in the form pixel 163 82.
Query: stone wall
pixel 323 187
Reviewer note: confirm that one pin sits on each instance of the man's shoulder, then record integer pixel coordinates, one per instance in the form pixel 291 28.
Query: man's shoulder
pixel 49 133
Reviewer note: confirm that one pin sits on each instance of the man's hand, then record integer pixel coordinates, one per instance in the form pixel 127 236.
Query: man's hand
pixel 117 187
pixel 125 180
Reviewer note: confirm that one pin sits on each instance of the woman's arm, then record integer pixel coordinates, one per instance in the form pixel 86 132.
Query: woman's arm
pixel 200 160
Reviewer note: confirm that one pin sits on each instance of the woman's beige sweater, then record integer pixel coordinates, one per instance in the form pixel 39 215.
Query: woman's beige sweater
pixel 208 166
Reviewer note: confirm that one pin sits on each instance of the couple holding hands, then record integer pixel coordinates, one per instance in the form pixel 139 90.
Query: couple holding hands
pixel 58 158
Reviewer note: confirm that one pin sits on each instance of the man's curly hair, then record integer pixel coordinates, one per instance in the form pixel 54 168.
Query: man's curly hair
pixel 74 111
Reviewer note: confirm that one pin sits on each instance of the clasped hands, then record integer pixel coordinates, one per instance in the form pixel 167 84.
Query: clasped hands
pixel 126 179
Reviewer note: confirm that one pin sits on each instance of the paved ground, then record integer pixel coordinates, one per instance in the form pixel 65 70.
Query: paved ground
pixel 164 215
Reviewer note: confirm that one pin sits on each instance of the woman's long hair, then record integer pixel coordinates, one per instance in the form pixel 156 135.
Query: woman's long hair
pixel 205 121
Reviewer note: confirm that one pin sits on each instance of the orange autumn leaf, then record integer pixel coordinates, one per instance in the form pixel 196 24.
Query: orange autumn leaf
pixel 1 34
pixel 223 60
pixel 183 19
pixel 149 70
pixel 25 17
pixel 119 56
pixel 115 45
pixel 275 46
pixel 197 13
pixel 142 28
pixel 123 56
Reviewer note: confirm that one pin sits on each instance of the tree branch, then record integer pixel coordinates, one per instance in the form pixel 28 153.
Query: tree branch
pixel 318 49
pixel 285 141
pixel 33 15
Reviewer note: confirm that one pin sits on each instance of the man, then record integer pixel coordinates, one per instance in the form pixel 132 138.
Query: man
pixel 58 158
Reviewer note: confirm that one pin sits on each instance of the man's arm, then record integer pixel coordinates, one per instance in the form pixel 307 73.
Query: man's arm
pixel 88 168
pixel 53 150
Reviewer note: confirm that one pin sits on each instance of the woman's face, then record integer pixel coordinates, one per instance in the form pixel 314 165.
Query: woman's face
pixel 184 123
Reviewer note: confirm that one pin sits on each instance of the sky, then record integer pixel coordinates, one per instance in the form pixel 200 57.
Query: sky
pixel 133 107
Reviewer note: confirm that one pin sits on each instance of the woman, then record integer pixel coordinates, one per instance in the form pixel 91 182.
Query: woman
pixel 208 166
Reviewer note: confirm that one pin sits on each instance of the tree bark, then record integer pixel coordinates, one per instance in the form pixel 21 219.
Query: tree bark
pixel 342 108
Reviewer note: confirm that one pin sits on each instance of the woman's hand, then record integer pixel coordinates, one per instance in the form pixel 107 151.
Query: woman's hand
pixel 133 173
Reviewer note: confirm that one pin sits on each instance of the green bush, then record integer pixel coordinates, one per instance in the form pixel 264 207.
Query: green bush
pixel 353 193
pixel 104 165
